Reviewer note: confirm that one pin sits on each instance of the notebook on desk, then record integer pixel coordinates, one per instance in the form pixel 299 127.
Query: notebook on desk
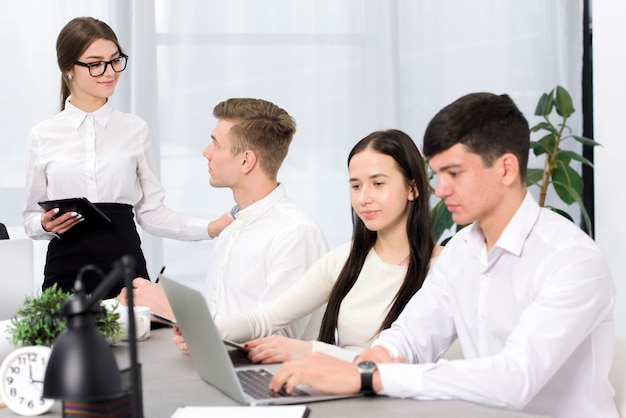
pixel 211 359
pixel 16 274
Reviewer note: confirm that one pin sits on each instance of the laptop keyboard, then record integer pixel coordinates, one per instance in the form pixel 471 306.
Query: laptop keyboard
pixel 255 383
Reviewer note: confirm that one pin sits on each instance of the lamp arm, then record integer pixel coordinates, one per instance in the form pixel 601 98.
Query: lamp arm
pixel 121 269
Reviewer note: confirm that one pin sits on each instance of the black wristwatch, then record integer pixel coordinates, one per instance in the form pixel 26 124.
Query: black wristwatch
pixel 367 369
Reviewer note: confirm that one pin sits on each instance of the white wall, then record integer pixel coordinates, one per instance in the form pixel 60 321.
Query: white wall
pixel 609 55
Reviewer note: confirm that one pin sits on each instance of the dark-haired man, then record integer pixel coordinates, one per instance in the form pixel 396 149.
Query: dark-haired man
pixel 528 295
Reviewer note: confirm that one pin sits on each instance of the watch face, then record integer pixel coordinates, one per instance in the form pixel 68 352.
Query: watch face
pixel 22 374
pixel 367 366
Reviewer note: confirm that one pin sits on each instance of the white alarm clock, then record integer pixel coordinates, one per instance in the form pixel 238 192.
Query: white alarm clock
pixel 22 374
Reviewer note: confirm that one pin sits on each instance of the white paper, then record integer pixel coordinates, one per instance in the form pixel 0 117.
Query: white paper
pixel 283 411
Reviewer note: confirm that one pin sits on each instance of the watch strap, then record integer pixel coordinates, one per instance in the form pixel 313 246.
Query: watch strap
pixel 366 383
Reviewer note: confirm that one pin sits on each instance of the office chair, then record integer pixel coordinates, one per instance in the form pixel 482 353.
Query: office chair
pixel 4 234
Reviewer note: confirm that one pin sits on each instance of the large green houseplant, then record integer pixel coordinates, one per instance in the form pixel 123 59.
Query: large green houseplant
pixel 557 170
pixel 38 321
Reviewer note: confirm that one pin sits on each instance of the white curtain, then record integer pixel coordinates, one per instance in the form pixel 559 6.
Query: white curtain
pixel 341 68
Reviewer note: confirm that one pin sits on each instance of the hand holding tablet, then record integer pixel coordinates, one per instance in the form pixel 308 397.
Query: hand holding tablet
pixel 79 205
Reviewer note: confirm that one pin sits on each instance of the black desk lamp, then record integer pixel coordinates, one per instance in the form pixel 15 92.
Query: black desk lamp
pixel 82 367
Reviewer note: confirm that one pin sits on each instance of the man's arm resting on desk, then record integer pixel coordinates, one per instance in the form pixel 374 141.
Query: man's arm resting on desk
pixel 319 371
pixel 329 374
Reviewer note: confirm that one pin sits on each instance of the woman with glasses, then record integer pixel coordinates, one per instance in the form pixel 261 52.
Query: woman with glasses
pixel 92 150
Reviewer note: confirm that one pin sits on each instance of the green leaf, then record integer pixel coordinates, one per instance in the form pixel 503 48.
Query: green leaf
pixel 586 141
pixel 585 215
pixel 533 176
pixel 571 155
pixel 545 145
pixel 546 126
pixel 567 183
pixel 563 157
pixel 544 106
pixel 563 102
pixel 441 220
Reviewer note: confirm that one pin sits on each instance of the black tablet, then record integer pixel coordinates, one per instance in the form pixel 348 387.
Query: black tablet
pixel 163 319
pixel 77 204
pixel 238 346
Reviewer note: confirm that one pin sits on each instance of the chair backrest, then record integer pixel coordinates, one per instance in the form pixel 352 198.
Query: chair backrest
pixel 4 234
pixel 16 274
pixel 618 374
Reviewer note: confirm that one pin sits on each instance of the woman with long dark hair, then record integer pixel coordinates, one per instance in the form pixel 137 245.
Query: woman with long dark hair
pixel 365 283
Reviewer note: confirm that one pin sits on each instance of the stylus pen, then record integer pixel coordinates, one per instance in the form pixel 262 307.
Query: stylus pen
pixel 161 272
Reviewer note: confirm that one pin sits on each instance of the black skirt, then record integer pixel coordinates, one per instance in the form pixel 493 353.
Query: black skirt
pixel 98 244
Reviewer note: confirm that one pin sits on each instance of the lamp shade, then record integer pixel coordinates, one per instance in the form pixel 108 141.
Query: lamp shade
pixel 82 368
pixel 81 365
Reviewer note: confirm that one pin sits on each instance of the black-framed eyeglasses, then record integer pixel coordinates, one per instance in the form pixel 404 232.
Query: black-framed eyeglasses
pixel 96 69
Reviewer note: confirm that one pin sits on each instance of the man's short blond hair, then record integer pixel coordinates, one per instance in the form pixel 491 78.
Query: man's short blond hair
pixel 259 126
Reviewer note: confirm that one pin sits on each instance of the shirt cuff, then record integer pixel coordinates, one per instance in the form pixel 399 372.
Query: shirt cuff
pixel 334 351
pixel 402 380
pixel 197 229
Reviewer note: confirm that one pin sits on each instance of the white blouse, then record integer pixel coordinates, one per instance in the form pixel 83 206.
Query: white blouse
pixel 105 156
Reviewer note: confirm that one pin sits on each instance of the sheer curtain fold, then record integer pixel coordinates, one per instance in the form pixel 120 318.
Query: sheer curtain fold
pixel 342 69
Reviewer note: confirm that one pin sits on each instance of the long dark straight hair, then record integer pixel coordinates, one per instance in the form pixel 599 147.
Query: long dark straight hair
pixel 403 150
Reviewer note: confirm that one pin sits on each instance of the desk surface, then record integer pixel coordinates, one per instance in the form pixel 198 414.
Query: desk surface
pixel 170 380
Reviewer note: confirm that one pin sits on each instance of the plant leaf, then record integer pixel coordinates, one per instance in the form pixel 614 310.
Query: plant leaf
pixel 533 176
pixel 586 141
pixel 441 220
pixel 544 105
pixel 577 157
pixel 567 183
pixel 545 145
pixel 563 157
pixel 546 126
pixel 564 104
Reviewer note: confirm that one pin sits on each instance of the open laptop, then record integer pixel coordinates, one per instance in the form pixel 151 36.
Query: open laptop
pixel 17 278
pixel 212 361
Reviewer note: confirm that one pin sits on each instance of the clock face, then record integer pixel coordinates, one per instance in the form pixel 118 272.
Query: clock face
pixel 22 374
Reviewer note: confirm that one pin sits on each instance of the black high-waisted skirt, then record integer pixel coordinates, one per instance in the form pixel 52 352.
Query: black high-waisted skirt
pixel 99 244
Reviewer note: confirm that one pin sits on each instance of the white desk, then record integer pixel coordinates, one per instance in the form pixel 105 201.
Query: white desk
pixel 170 381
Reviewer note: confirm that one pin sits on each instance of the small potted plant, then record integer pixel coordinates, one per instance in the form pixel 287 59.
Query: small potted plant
pixel 38 321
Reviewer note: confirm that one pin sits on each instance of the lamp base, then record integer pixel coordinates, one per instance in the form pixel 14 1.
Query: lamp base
pixel 116 408
pixel 121 407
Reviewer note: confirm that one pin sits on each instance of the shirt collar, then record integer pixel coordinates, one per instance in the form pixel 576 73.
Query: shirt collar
pixel 516 232
pixel 77 116
pixel 254 211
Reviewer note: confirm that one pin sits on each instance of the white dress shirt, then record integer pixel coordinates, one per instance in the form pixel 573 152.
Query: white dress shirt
pixel 361 314
pixel 534 318
pixel 265 250
pixel 105 156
